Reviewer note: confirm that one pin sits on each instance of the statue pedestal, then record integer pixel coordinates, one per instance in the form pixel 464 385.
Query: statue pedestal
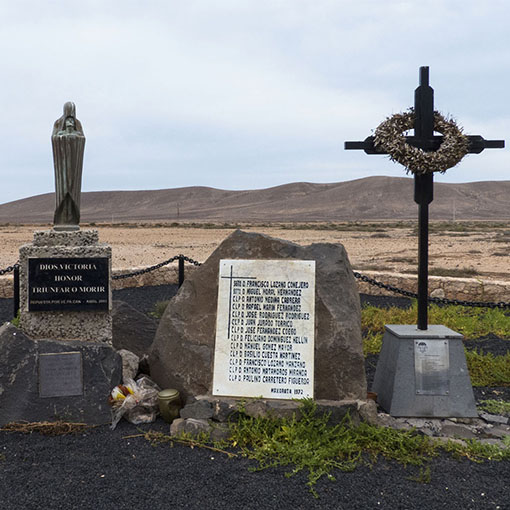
pixel 61 363
pixel 65 290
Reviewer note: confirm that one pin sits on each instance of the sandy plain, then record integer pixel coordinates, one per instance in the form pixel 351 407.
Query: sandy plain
pixel 470 249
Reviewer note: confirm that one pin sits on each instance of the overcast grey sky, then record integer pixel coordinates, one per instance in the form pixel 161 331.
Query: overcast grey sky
pixel 241 94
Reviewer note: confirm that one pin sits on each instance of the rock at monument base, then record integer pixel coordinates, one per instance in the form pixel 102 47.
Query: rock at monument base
pixel 130 363
pixel 183 350
pixel 132 330
pixel 19 380
pixel 213 415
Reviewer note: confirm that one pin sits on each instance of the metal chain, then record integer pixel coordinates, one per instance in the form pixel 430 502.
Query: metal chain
pixel 188 259
pixel 442 301
pixel 359 276
pixel 8 269
pixel 156 266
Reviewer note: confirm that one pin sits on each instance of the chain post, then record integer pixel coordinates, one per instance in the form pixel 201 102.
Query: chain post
pixel 180 258
pixel 15 291
pixel 181 270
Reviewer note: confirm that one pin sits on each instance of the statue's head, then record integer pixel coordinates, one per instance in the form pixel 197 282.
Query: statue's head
pixel 68 121
pixel 69 110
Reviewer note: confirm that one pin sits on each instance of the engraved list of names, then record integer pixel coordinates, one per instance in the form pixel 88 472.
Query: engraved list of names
pixel 265 329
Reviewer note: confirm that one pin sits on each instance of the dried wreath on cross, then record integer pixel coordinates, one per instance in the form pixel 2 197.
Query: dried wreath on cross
pixel 389 137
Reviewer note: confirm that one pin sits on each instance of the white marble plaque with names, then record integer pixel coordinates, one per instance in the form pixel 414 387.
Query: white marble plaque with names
pixel 265 329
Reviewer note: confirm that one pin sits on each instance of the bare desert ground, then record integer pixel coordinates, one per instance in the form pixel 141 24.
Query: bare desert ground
pixel 469 249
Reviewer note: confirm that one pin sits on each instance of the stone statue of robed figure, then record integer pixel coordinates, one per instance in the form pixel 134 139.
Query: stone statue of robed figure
pixel 68 143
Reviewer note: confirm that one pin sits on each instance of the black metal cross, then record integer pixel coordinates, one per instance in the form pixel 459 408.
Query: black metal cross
pixel 231 277
pixel 425 140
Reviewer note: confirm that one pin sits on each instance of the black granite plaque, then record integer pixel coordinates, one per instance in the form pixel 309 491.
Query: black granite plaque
pixel 60 374
pixel 72 284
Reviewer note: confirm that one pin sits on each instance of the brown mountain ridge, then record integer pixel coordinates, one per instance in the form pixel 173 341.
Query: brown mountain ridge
pixel 371 198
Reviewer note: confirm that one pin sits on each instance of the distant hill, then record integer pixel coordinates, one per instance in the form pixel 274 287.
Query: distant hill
pixel 372 198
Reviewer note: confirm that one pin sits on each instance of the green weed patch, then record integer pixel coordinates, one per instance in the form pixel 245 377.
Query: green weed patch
pixel 487 369
pixel 15 321
pixel 312 445
pixel 478 452
pixel 494 407
pixel 159 309
pixel 469 321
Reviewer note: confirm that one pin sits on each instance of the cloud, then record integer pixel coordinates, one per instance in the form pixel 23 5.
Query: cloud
pixel 235 94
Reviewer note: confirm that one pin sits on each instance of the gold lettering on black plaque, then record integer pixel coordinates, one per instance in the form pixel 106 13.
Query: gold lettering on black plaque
pixel 73 284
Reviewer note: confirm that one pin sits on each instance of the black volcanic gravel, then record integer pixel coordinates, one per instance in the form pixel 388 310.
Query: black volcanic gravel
pixel 103 469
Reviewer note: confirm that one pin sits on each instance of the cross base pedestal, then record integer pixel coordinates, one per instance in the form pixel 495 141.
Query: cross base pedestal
pixel 423 373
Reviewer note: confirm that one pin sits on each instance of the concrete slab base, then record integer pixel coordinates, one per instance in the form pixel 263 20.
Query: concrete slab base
pixel 423 373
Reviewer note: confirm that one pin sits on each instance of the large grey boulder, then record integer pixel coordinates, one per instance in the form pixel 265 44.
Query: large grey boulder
pixel 183 350
pixel 19 380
